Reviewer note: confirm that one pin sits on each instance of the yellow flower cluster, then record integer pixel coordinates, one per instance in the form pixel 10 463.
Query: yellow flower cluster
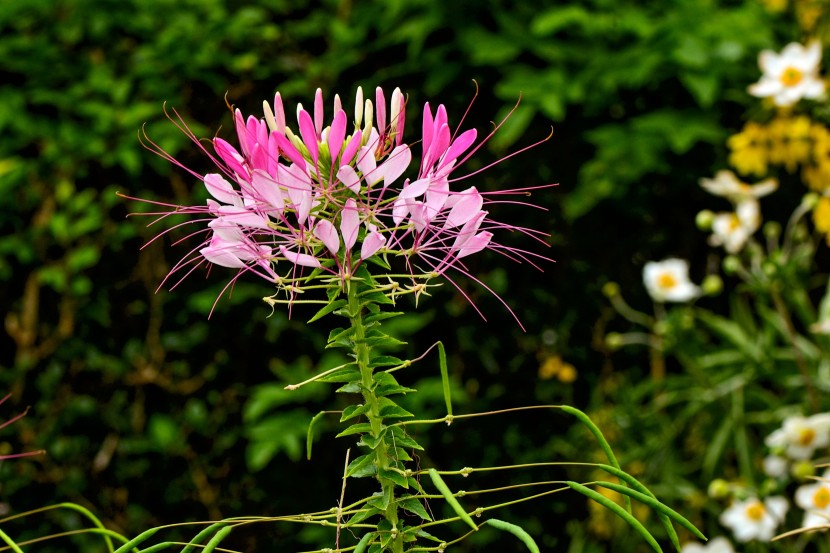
pixel 786 141
pixel 821 217
pixel 554 366
pixel 809 14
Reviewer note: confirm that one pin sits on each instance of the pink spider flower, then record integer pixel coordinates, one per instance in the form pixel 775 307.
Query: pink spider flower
pixel 309 198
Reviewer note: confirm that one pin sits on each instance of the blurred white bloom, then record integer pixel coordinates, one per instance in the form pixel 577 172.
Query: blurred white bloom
pixel 775 466
pixel 790 75
pixel 715 545
pixel 755 520
pixel 800 436
pixel 815 500
pixel 732 230
pixel 726 184
pixel 821 326
pixel 668 280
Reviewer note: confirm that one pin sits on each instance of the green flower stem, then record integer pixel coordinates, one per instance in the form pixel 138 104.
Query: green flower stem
pixel 361 351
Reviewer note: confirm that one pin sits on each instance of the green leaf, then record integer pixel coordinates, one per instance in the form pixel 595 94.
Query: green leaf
pixel 350 388
pixel 413 505
pixel 354 411
pixel 340 337
pixel 356 429
pixel 332 306
pixel 310 433
pixel 384 361
pixel 362 466
pixel 391 410
pixel 394 476
pixel 399 438
pixel 387 385
pixel 362 515
pixel 346 374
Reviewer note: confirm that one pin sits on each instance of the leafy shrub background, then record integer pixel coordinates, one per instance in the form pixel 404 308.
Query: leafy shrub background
pixel 150 411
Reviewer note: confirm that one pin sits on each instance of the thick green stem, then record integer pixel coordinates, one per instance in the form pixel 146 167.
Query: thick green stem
pixel 361 351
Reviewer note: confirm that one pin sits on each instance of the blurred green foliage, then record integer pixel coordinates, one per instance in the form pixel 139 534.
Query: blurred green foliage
pixel 150 411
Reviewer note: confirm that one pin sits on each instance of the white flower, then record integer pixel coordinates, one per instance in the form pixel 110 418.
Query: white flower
pixel 790 75
pixel 726 184
pixel 732 230
pixel 815 500
pixel 715 545
pixel 775 466
pixel 800 436
pixel 668 280
pixel 755 520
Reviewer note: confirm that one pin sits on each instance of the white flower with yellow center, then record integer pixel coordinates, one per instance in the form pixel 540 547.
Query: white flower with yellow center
pixel 753 519
pixel 715 545
pixel 815 500
pixel 668 280
pixel 726 184
pixel 791 75
pixel 733 229
pixel 799 437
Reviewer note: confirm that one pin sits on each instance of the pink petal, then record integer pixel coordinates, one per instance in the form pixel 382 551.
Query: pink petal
pixel 241 132
pixel 243 217
pixel 267 190
pixel 221 189
pixel 380 110
pixel 367 164
pixel 400 210
pixel 296 181
pixel 226 231
pixel 301 259
pixel 395 165
pixel 326 232
pixel 426 131
pixel 466 206
pixel 279 113
pixel 318 113
pixel 468 230
pixel 415 189
pixel 351 148
pixel 437 194
pixel 349 223
pixel 289 151
pixel 222 256
pixel 308 134
pixel 371 244
pixel 230 156
pixel 348 176
pixel 459 146
pixel 337 133
pixel 476 244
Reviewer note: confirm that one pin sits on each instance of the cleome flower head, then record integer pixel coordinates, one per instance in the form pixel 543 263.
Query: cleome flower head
pixel 791 75
pixel 316 201
pixel 668 280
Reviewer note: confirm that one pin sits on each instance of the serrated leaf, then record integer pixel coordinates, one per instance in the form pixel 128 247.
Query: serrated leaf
pixel 362 467
pixel 328 309
pixel 362 515
pixel 356 429
pixel 386 385
pixel 394 476
pixel 379 501
pixel 350 388
pixel 414 506
pixel 371 441
pixel 384 361
pixel 391 410
pixel 340 337
pixel 346 374
pixel 398 438
pixel 354 411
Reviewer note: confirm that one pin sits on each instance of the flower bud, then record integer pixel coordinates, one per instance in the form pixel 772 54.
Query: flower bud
pixel 719 489
pixel 712 285
pixel 772 229
pixel 810 200
pixel 731 264
pixel 768 486
pixel 611 289
pixel 614 340
pixel 801 470
pixel 704 220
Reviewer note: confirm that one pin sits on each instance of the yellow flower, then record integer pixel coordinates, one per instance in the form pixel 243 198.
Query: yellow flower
pixel 554 366
pixel 817 176
pixel 789 141
pixel 821 217
pixel 775 5
pixel 749 149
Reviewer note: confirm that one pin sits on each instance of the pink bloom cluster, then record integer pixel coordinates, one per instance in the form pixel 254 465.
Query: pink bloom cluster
pixel 328 195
